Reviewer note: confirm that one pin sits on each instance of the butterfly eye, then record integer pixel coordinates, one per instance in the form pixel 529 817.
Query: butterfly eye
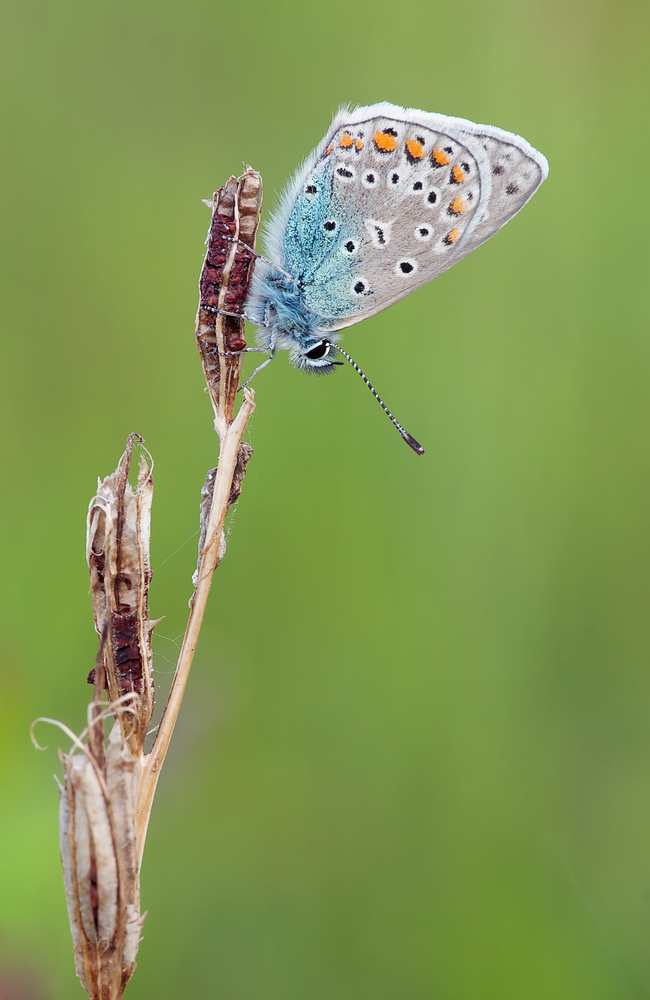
pixel 319 351
pixel 330 225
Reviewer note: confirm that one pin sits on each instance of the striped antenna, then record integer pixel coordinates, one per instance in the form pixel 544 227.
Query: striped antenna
pixel 411 442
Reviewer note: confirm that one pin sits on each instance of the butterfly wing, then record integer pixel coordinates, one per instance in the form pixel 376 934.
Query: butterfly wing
pixel 390 199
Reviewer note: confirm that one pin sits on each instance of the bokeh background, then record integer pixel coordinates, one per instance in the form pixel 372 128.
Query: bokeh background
pixel 413 758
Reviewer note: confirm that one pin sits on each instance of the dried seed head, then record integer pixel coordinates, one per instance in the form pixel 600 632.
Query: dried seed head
pixel 223 284
pixel 117 550
pixel 99 851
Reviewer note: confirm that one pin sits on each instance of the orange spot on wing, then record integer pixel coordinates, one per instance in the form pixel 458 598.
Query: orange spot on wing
pixel 329 149
pixel 346 141
pixel 439 157
pixel 358 144
pixel 458 206
pixel 385 142
pixel 451 237
pixel 415 149
pixel 457 175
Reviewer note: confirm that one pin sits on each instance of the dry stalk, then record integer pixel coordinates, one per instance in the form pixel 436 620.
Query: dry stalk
pixel 208 563
pixel 110 784
pixel 223 285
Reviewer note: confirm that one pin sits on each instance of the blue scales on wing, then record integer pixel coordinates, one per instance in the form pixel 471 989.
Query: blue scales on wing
pixel 322 239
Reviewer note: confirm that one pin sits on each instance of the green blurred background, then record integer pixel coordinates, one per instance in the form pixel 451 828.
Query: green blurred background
pixel 413 758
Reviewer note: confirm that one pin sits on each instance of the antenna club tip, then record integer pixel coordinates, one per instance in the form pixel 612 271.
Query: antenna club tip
pixel 412 443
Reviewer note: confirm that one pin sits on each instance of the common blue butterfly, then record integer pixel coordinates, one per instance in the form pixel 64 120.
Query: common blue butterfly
pixel 389 199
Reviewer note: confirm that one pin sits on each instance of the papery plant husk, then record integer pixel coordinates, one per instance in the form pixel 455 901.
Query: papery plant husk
pixel 117 550
pixel 98 801
pixel 99 853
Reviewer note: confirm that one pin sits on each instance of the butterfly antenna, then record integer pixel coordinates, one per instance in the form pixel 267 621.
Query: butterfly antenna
pixel 411 442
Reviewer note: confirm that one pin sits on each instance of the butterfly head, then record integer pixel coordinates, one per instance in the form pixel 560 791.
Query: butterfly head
pixel 316 356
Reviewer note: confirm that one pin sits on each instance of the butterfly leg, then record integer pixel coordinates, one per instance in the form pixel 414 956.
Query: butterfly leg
pixel 259 367
pixel 244 350
pixel 224 312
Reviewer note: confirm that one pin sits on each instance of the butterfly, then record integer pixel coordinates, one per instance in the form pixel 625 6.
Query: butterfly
pixel 389 199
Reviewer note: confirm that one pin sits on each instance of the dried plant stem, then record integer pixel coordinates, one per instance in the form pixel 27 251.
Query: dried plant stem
pixel 153 761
